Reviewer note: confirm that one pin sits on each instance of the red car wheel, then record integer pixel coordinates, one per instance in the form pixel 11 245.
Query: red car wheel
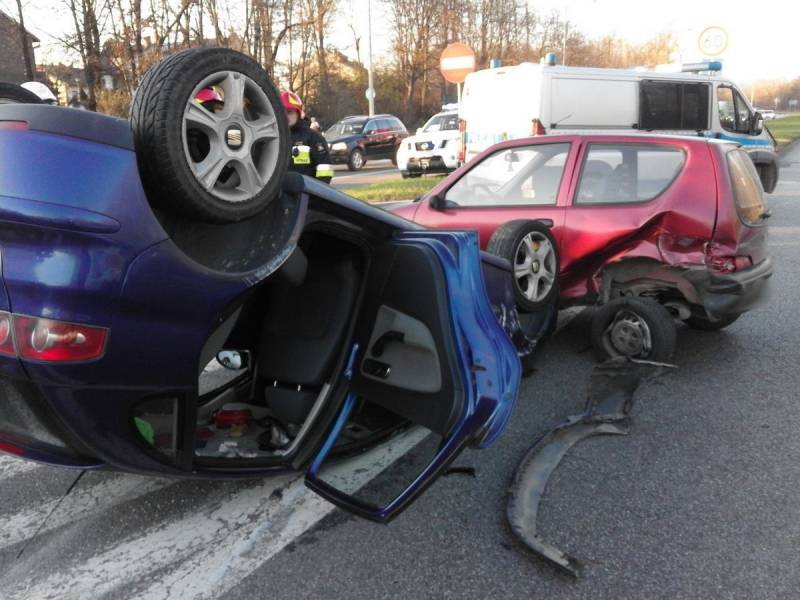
pixel 531 249
pixel 634 327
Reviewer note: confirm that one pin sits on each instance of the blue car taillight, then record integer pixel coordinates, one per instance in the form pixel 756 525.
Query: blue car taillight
pixel 6 339
pixel 48 340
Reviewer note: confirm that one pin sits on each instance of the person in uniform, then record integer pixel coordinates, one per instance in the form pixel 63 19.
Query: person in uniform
pixel 310 155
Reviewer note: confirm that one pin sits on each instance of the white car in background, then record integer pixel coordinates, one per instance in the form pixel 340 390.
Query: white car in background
pixel 434 148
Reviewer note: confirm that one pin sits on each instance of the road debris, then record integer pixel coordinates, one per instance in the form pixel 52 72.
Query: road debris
pixel 607 412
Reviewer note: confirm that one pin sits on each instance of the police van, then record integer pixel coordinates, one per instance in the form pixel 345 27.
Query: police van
pixel 537 99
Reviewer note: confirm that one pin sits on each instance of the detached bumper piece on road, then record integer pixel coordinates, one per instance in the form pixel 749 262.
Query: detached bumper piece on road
pixel 613 385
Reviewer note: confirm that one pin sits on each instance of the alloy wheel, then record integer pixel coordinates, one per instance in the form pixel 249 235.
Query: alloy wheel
pixel 535 266
pixel 231 146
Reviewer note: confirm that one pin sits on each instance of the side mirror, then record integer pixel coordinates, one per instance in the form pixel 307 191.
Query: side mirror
pixel 234 360
pixel 437 202
pixel 757 124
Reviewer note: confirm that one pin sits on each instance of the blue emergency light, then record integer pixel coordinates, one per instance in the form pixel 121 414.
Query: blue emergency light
pixel 701 67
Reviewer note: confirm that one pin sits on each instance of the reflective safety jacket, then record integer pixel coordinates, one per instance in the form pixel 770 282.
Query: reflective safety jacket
pixel 310 154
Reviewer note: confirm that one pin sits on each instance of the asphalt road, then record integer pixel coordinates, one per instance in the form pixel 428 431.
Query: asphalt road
pixel 699 501
pixel 376 171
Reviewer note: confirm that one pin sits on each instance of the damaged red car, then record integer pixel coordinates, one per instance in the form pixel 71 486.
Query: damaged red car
pixel 652 229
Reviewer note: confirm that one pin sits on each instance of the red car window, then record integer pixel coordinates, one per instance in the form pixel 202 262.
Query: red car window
pixel 627 173
pixel 520 175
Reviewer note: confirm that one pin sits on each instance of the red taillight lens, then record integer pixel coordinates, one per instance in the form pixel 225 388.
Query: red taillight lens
pixel 729 264
pixel 57 341
pixel 16 125
pixel 11 448
pixel 6 339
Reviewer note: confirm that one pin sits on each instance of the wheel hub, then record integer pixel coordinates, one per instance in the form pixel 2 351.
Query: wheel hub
pixel 629 337
pixel 234 137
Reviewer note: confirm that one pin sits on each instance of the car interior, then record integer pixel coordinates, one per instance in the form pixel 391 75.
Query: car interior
pixel 295 332
pixel 294 326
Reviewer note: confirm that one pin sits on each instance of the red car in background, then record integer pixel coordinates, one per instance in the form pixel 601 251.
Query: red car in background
pixel 650 228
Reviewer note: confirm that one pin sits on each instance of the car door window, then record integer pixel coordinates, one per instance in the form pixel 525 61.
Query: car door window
pixel 411 365
pixel 525 175
pixel 627 173
pixel 742 113
pixel 734 114
pixel 665 105
pixel 371 127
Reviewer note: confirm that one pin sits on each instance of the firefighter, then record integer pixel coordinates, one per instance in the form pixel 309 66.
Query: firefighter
pixel 310 154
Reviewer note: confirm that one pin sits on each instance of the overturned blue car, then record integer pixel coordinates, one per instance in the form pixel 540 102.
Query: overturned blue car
pixel 173 302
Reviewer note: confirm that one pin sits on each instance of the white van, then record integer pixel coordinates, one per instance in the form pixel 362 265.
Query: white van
pixel 532 99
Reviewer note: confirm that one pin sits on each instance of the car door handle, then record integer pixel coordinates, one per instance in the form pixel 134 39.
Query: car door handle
pixel 380 344
pixel 376 368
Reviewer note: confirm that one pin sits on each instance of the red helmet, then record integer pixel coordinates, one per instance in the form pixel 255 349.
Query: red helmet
pixel 209 94
pixel 292 102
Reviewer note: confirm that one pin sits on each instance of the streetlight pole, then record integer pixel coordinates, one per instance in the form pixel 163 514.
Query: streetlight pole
pixel 23 37
pixel 370 87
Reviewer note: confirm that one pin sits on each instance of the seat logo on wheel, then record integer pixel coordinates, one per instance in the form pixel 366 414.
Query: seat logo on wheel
pixel 234 137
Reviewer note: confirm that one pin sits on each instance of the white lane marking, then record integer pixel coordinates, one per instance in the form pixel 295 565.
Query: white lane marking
pixel 209 551
pixel 13 465
pixel 83 502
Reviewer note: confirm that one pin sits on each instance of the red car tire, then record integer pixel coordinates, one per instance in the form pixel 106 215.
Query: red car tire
pixel 531 249
pixel 635 327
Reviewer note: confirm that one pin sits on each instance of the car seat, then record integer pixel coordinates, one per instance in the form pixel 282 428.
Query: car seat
pixel 621 186
pixel 596 174
pixel 303 335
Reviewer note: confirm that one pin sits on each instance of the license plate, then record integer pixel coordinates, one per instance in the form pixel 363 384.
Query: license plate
pixel 424 164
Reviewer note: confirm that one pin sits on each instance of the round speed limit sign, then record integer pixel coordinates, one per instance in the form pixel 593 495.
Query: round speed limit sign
pixel 713 41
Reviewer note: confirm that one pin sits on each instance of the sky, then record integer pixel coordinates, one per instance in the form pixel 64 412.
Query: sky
pixel 762 43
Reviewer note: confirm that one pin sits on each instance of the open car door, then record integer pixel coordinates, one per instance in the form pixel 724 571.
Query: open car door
pixel 432 354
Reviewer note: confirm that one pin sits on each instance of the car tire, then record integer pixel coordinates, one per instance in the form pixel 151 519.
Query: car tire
pixel 705 324
pixel 11 93
pixel 635 327
pixel 356 161
pixel 394 158
pixel 529 242
pixel 246 144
